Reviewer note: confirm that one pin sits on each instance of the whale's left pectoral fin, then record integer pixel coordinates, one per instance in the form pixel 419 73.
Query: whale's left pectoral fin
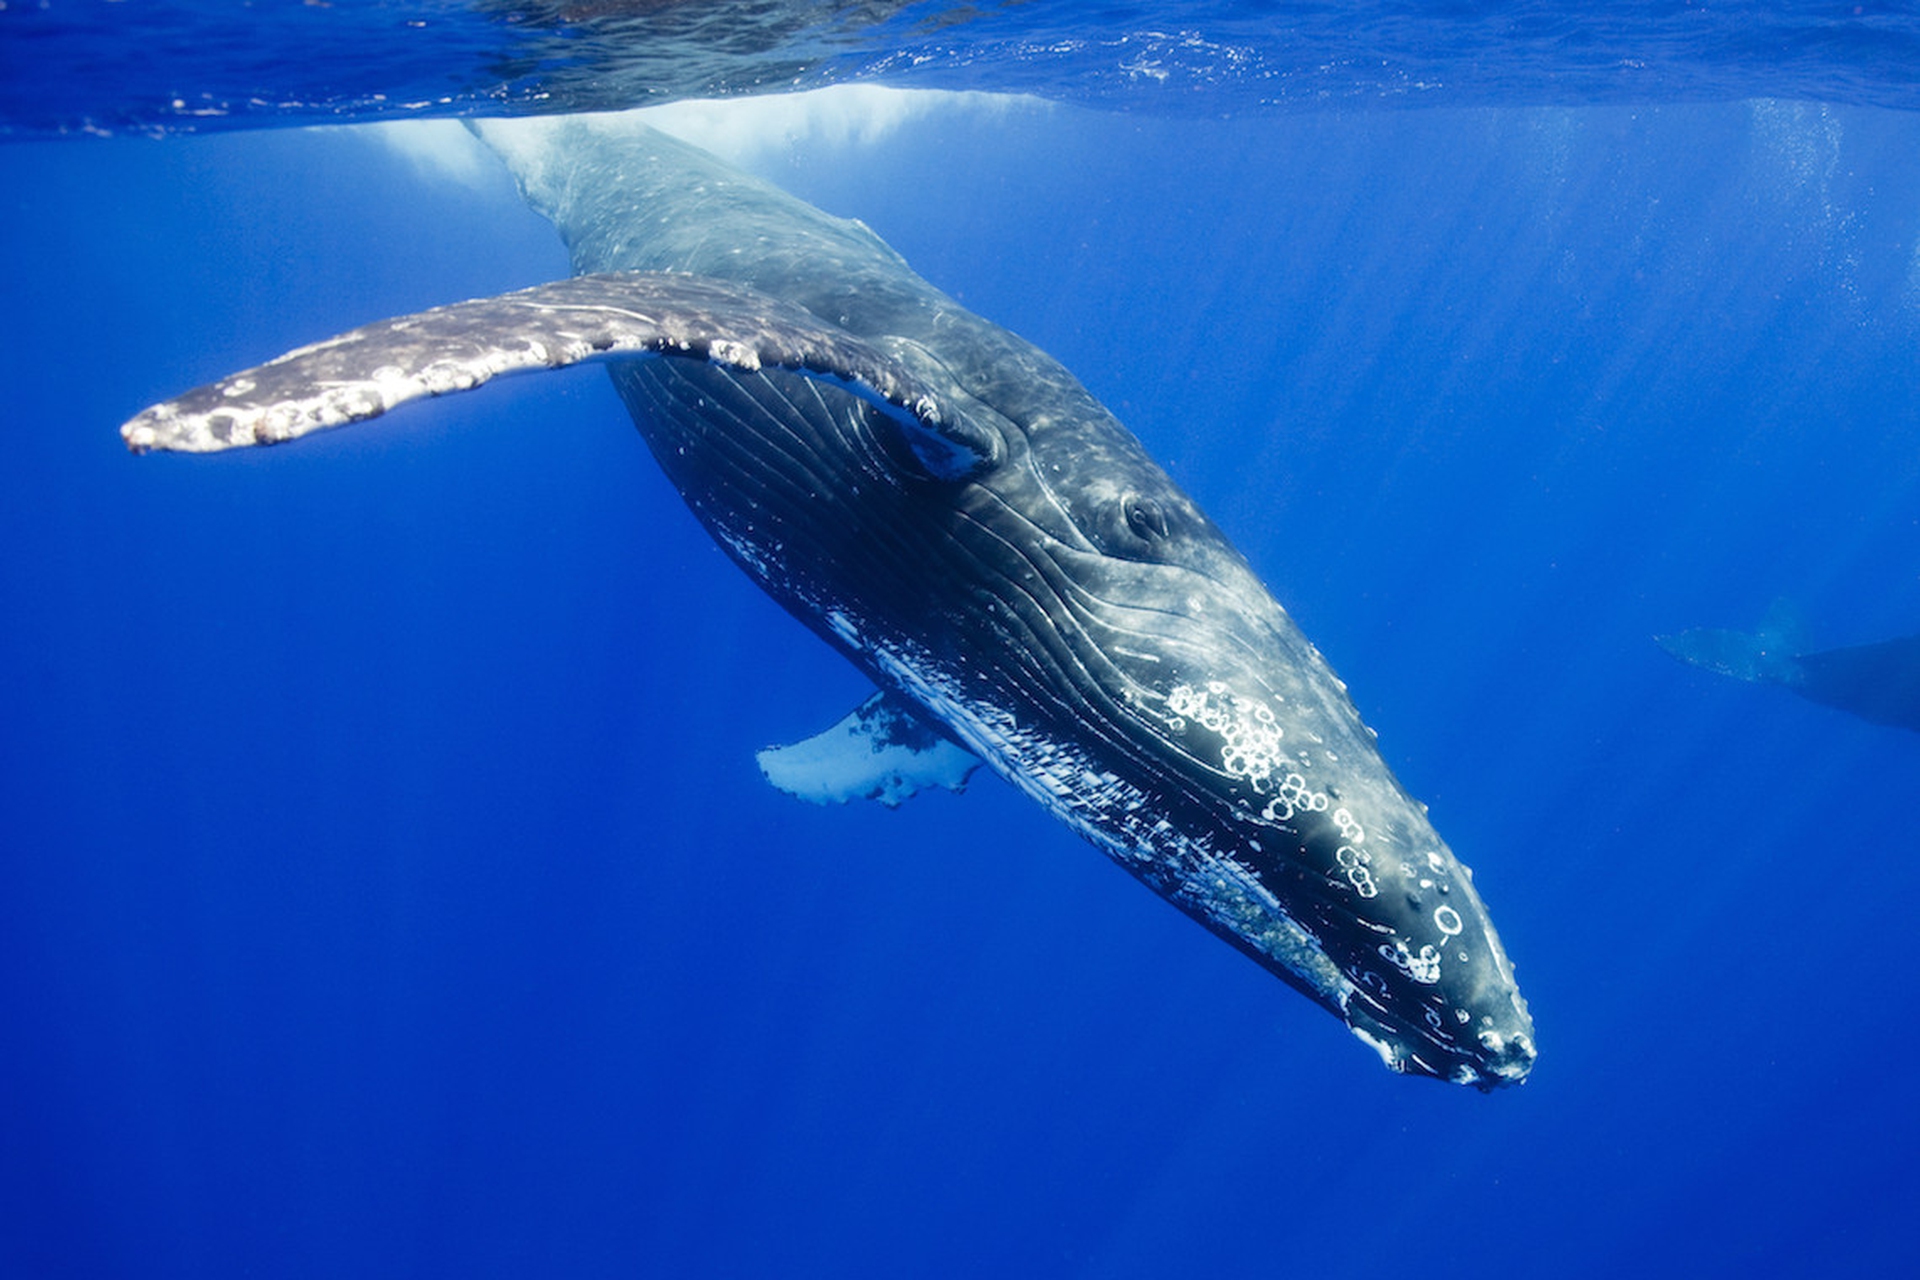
pixel 885 750
pixel 624 315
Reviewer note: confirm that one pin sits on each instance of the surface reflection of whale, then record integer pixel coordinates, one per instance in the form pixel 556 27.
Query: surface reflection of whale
pixel 948 507
pixel 1878 682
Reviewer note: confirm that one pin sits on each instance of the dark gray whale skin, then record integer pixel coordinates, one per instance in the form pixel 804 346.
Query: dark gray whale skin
pixel 979 535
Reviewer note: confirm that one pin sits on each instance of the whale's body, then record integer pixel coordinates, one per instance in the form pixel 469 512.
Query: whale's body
pixel 947 506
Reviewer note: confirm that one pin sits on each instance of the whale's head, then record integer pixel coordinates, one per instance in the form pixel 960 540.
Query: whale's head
pixel 1317 862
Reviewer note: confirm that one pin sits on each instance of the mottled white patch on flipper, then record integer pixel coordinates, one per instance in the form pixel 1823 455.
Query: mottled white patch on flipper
pixel 882 751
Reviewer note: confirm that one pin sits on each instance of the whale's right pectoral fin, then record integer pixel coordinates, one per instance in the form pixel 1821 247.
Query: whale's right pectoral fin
pixel 885 750
pixel 625 315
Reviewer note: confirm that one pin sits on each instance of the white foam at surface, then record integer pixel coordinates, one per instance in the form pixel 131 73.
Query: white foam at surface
pixel 744 131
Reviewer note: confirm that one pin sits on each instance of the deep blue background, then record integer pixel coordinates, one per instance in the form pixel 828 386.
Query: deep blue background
pixel 388 888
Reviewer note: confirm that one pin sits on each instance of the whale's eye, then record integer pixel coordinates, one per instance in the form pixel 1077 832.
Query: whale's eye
pixel 1146 518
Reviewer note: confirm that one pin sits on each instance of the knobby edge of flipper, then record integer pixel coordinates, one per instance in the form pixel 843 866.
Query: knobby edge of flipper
pixel 365 372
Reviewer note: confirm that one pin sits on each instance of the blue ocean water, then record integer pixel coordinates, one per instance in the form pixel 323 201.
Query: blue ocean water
pixel 389 888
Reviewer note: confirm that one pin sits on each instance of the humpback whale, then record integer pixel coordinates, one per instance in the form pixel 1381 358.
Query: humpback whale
pixel 1878 682
pixel 945 505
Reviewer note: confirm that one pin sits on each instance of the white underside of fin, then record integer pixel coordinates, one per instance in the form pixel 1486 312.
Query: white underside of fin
pixel 883 751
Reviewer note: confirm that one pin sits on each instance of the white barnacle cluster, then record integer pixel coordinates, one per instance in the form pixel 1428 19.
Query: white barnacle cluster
pixel 385 387
pixel 1354 863
pixel 1423 966
pixel 1249 735
pixel 1294 796
pixel 731 354
pixel 443 377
